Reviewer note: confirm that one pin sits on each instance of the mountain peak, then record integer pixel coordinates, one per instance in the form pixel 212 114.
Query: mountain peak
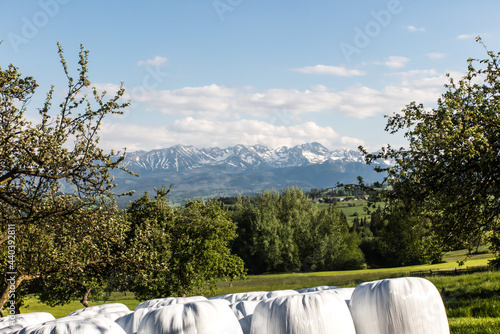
pixel 181 157
pixel 214 171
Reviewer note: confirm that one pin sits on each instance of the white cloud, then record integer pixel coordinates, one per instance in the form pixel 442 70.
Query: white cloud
pixel 222 116
pixel 415 29
pixel 208 100
pixel 219 102
pixel 436 55
pixel 209 133
pixel 426 80
pixel 466 36
pixel 416 73
pixel 331 70
pixel 396 61
pixel 156 61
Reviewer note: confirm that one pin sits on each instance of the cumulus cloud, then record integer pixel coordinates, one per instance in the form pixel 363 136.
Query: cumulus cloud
pixel 396 61
pixel 220 102
pixel 429 81
pixel 330 70
pixel 392 62
pixel 415 29
pixel 207 100
pixel 466 36
pixel 216 115
pixel 209 133
pixel 156 61
pixel 436 55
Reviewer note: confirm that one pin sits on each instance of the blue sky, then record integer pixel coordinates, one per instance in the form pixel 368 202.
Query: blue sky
pixel 227 72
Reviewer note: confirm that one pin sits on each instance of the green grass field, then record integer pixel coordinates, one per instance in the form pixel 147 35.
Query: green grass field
pixel 351 209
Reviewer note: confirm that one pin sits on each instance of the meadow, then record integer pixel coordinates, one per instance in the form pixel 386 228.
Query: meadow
pixel 351 209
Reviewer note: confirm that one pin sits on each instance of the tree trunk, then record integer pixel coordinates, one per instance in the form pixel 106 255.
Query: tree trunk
pixel 84 300
pixel 12 281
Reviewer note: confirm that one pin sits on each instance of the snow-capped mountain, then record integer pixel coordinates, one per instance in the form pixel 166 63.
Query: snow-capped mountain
pixel 180 158
pixel 214 171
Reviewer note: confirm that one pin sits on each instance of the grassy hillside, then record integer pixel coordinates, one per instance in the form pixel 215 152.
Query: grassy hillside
pixel 351 209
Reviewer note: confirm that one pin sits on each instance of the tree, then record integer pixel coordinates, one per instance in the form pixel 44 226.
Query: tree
pixel 269 228
pixel 50 172
pixel 450 170
pixel 179 252
pixel 335 248
pixel 73 257
pixel 402 239
pixel 280 232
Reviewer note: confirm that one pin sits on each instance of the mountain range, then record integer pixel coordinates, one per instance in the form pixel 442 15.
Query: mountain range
pixel 210 172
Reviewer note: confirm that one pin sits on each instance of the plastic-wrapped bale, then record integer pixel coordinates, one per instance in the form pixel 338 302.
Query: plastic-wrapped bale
pixel 317 289
pixel 242 296
pixel 162 302
pixel 74 325
pixel 313 312
pixel 407 305
pixel 344 293
pixel 130 322
pixel 11 323
pixel 254 295
pixel 201 317
pixel 243 311
pixel 273 294
pixel 278 293
pixel 111 311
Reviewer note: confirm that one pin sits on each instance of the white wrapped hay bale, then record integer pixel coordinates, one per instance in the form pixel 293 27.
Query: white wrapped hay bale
pixel 305 313
pixel 111 311
pixel 130 322
pixel 201 317
pixel 254 295
pixel 243 311
pixel 344 293
pixel 242 296
pixel 74 325
pixel 317 289
pixel 162 302
pixel 277 293
pixel 407 305
pixel 11 323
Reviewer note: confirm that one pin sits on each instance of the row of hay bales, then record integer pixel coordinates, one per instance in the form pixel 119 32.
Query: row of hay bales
pixel 390 306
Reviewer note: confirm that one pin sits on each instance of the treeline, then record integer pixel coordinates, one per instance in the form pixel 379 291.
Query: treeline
pixel 395 239
pixel 323 193
pixel 315 193
pixel 283 232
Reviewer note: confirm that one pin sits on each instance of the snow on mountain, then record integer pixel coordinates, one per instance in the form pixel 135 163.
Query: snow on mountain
pixel 180 157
